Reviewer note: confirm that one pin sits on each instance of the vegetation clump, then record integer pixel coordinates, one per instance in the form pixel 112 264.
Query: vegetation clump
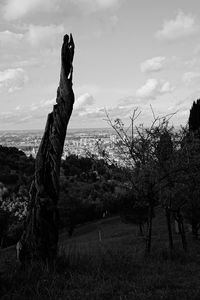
pixel 156 188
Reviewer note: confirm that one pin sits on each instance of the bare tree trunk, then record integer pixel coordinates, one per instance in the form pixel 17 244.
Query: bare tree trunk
pixel 40 237
pixel 2 239
pixel 168 218
pixel 182 230
pixel 141 227
pixel 149 234
pixel 195 230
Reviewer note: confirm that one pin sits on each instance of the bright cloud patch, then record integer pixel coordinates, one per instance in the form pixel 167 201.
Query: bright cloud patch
pixel 93 5
pixel 8 37
pixel 50 102
pixel 12 79
pixel 37 112
pixel 153 65
pixel 35 35
pixel 46 35
pixel 84 101
pixel 190 77
pixel 107 3
pixel 114 20
pixel 152 88
pixel 182 25
pixel 15 9
pixel 197 49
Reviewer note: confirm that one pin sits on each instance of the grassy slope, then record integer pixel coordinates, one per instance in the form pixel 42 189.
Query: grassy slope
pixel 114 268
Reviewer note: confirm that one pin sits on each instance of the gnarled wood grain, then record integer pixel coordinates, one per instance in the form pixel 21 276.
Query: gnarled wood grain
pixel 40 236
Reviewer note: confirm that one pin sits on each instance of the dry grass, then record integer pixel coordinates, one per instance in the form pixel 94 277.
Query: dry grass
pixel 112 269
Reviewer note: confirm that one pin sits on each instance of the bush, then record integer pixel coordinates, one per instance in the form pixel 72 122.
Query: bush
pixel 4 222
pixel 14 233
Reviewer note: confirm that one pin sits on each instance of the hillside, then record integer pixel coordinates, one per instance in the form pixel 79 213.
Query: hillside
pixel 85 193
pixel 114 268
pixel 112 231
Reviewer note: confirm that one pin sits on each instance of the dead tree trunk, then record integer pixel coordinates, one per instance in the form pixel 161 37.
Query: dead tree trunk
pixel 194 229
pixel 149 231
pixel 40 237
pixel 182 230
pixel 168 218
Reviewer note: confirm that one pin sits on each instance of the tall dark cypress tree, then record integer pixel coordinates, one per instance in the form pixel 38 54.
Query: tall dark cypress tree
pixel 193 140
pixel 194 118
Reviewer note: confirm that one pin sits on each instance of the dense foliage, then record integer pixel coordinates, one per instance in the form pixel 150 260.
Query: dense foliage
pixel 16 168
pixel 160 168
pixel 164 170
pixel 15 178
pixel 90 189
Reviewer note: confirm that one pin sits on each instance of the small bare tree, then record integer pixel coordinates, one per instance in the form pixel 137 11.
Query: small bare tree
pixel 153 157
pixel 137 147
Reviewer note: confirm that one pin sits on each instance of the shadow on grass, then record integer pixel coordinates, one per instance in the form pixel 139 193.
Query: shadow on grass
pixel 104 273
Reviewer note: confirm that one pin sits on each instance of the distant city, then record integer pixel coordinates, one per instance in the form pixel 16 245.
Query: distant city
pixel 78 141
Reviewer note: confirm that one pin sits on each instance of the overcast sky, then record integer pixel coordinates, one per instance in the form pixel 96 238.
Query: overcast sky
pixel 129 53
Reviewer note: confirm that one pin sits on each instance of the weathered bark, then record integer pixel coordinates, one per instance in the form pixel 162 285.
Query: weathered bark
pixel 168 218
pixel 40 237
pixel 141 228
pixel 182 230
pixel 149 234
pixel 195 229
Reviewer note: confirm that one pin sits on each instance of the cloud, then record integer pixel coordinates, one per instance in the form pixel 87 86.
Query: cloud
pixel 197 49
pixel 165 87
pixel 114 21
pixel 45 105
pixel 97 114
pixel 148 89
pixel 44 35
pixel 16 9
pixel 190 77
pixel 94 5
pixel 126 101
pixel 31 62
pixel 154 64
pixel 82 106
pixel 12 79
pixel 105 3
pixel 87 88
pixel 84 101
pixel 182 25
pixel 152 88
pixel 92 113
pixel 50 102
pixel 33 36
pixel 8 37
pixel 37 112
pixel 87 115
pixel 7 117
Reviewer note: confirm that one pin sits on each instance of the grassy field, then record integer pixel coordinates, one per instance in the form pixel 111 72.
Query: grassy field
pixel 105 260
